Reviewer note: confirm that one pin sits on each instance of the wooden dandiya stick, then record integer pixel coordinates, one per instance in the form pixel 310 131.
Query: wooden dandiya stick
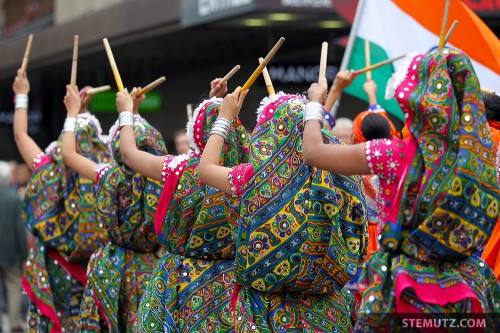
pixel 368 59
pixel 267 79
pixel 112 62
pixel 444 22
pixel 323 60
pixel 97 90
pixel 150 86
pixel 450 31
pixel 259 69
pixel 72 81
pixel 27 51
pixel 487 91
pixel 230 74
pixel 189 111
pixel 378 65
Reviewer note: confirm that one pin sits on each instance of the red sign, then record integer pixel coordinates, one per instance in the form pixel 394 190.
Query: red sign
pixel 484 7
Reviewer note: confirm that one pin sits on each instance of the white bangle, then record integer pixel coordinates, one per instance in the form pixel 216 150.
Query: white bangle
pixel 21 101
pixel 126 118
pixel 69 125
pixel 314 111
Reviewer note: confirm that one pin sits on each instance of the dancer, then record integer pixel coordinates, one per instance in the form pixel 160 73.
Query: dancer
pixel 438 190
pixel 302 231
pixel 126 201
pixel 191 286
pixel 491 253
pixel 59 210
pixel 369 125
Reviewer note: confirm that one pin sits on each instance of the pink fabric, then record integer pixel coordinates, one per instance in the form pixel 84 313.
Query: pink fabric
pixel 170 182
pixel 165 172
pixel 74 269
pixel 44 309
pixel 101 170
pixel 385 158
pixel 238 176
pixel 430 293
pixel 40 160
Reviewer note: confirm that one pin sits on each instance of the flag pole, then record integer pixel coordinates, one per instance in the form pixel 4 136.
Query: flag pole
pixel 349 47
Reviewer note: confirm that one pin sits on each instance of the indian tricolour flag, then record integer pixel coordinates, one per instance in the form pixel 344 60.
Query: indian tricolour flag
pixel 396 27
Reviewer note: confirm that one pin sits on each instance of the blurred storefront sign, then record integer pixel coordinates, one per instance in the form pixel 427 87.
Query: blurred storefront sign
pixel 195 12
pixel 484 7
pixel 299 74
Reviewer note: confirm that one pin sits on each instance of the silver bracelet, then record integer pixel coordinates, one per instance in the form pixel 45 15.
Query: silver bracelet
pixel 69 125
pixel 221 127
pixel 126 118
pixel 21 101
pixel 314 111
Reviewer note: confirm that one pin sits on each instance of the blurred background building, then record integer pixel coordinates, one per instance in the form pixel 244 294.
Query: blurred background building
pixel 190 42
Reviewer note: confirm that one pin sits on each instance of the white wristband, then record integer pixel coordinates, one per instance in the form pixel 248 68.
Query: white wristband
pixel 69 125
pixel 22 101
pixel 314 111
pixel 126 118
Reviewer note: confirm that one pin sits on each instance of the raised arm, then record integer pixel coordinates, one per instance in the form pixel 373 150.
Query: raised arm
pixel 25 144
pixel 342 80
pixel 210 172
pixel 370 88
pixel 342 159
pixel 82 165
pixel 145 163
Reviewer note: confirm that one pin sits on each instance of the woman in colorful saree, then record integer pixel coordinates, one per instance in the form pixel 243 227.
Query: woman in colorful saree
pixel 126 201
pixel 191 286
pixel 302 231
pixel 59 210
pixel 438 193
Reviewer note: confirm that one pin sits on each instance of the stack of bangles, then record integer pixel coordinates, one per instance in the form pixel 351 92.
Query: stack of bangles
pixel 21 101
pixel 126 118
pixel 221 127
pixel 314 111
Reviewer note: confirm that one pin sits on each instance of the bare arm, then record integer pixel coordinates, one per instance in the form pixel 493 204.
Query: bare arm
pixel 210 172
pixel 342 159
pixel 370 87
pixel 145 163
pixel 25 144
pixel 342 81
pixel 82 165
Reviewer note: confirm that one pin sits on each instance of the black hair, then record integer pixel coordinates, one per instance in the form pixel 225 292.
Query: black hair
pixel 492 106
pixel 375 126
